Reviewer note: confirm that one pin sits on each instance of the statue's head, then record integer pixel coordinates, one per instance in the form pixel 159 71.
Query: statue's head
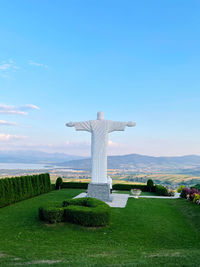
pixel 100 115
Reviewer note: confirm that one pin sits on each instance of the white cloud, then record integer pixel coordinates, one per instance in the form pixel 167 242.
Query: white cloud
pixel 29 106
pixel 2 122
pixel 32 63
pixel 9 137
pixel 15 110
pixel 6 67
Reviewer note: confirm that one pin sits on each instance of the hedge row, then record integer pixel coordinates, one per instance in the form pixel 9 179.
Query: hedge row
pixel 74 185
pixel 84 211
pixel 19 188
pixel 128 187
pixel 159 189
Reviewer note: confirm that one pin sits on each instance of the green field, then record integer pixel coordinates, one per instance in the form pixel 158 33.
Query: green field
pixel 148 232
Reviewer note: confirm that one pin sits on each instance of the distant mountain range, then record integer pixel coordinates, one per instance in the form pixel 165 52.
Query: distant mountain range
pixel 139 163
pixel 24 156
pixel 133 162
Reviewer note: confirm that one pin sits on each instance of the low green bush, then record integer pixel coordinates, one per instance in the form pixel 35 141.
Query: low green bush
pixel 74 185
pixel 87 216
pixel 83 211
pixel 51 214
pixel 161 190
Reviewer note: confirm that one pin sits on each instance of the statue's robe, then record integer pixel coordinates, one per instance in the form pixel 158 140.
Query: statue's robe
pixel 99 130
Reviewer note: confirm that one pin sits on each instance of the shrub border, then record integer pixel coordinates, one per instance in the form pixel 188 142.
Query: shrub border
pixel 23 187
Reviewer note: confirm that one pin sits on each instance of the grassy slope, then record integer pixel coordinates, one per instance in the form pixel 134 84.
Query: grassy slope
pixel 148 232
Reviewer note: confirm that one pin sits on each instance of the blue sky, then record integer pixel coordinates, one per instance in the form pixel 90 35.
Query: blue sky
pixel 134 60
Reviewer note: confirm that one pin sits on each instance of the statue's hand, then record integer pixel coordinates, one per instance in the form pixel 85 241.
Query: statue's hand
pixel 130 124
pixel 70 124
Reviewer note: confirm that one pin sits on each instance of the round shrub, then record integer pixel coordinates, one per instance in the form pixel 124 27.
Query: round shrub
pixel 161 190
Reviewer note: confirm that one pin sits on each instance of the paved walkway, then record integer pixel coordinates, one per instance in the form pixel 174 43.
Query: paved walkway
pixel 177 195
pixel 118 200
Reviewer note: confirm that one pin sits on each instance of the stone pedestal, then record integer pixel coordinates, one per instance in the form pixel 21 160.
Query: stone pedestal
pixel 99 191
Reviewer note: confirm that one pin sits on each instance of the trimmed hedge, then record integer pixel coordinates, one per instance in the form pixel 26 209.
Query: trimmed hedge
pixel 84 211
pixel 128 187
pixel 87 211
pixel 19 188
pixel 161 190
pixel 51 214
pixel 74 185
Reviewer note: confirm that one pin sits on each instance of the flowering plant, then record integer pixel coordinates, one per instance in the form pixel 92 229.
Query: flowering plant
pixel 196 198
pixel 191 194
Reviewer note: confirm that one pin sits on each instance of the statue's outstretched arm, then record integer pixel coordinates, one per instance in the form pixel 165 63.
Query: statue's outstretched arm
pixel 80 126
pixel 119 125
pixel 130 124
pixel 70 124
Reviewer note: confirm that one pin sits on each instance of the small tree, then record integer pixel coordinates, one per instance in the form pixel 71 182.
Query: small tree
pixel 59 182
pixel 150 185
pixel 179 190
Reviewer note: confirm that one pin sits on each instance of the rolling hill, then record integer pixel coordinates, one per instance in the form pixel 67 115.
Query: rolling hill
pixel 141 163
pixel 29 156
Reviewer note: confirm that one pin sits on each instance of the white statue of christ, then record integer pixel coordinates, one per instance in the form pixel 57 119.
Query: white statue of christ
pixel 100 129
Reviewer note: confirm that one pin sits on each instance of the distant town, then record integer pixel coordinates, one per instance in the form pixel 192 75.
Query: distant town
pixel 123 176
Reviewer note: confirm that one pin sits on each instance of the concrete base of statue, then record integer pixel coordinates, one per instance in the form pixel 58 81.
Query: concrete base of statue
pixel 99 191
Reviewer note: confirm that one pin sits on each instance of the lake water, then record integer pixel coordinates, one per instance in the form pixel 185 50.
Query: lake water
pixel 23 166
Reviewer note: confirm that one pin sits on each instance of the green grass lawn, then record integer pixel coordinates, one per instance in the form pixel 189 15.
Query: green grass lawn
pixel 148 232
